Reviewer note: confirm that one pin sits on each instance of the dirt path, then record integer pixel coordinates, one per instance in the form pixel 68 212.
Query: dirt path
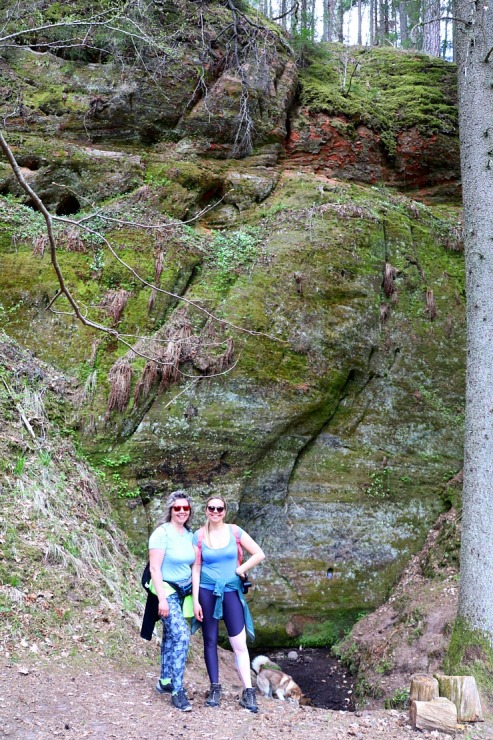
pixel 41 702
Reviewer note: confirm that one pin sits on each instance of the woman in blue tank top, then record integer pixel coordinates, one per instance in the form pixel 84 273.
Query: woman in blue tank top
pixel 217 580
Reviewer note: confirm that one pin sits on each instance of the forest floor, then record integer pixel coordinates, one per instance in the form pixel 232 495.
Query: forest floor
pixel 101 699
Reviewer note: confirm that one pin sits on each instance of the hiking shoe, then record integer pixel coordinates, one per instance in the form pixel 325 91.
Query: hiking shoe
pixel 180 701
pixel 249 700
pixel 164 688
pixel 214 695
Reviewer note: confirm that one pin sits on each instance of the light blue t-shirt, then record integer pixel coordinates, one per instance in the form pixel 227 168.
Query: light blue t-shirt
pixel 179 554
pixel 219 563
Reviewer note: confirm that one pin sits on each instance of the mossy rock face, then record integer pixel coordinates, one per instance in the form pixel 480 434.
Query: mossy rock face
pixel 332 445
pixel 334 432
pixel 177 78
pixel 334 425
pixel 379 114
pixel 68 178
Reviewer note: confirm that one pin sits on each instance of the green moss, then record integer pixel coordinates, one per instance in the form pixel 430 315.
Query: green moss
pixel 470 653
pixel 328 632
pixel 385 89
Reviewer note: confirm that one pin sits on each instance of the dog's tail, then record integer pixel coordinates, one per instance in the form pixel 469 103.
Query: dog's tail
pixel 258 662
pixel 262 661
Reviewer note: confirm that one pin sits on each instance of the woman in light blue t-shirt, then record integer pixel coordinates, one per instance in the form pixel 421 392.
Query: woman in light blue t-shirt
pixel 171 555
pixel 217 579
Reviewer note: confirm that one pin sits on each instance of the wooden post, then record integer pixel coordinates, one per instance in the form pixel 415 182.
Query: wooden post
pixel 462 690
pixel 438 714
pixel 423 688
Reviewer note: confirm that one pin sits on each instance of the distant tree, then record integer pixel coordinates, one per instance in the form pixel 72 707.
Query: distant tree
pixel 360 23
pixel 329 14
pixel 403 24
pixel 431 27
pixel 340 21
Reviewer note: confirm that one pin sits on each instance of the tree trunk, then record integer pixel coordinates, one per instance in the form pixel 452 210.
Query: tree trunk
pixel 371 38
pixel 439 714
pixel 462 690
pixel 380 28
pixel 325 20
pixel 474 72
pixel 403 29
pixel 312 19
pixel 454 30
pixel 431 28
pixel 360 23
pixel 304 17
pixel 331 6
pixel 340 22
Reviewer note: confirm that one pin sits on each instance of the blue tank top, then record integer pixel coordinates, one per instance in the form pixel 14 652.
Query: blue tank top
pixel 219 563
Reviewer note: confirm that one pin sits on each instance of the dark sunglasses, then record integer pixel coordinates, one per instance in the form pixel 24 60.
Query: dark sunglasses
pixel 212 509
pixel 181 508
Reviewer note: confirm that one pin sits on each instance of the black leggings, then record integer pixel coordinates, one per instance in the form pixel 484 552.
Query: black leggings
pixel 233 619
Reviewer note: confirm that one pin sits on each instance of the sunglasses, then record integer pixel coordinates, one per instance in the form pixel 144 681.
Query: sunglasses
pixel 212 509
pixel 181 508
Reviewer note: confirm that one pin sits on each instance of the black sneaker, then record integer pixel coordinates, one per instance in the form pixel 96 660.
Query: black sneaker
pixel 164 688
pixel 249 700
pixel 180 701
pixel 214 695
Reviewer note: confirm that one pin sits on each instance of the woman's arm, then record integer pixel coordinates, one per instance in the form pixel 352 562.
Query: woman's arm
pixel 197 609
pixel 254 550
pixel 156 558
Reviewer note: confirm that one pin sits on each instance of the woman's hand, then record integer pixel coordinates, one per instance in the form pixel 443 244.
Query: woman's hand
pixel 239 572
pixel 197 612
pixel 163 607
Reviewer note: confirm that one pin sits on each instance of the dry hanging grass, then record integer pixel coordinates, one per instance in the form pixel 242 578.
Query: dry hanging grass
pixel 224 361
pixel 152 300
pixel 94 351
pixel 389 275
pixel 158 265
pixel 158 269
pixel 114 302
pixel 169 363
pixel 39 245
pixel 414 210
pixel 431 305
pixel 179 347
pixel 73 242
pixel 143 194
pixel 120 379
pixel 149 376
pixel 454 240
pixel 384 312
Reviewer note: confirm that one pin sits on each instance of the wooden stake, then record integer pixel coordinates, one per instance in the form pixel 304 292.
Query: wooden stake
pixel 462 690
pixel 423 688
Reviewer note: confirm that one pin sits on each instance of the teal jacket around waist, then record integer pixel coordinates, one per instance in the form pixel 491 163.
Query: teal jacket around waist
pixel 219 588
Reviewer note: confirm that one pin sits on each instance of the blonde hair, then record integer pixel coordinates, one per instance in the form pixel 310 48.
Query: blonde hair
pixel 207 522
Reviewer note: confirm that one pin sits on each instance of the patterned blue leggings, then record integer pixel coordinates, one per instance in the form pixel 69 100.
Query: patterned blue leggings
pixel 174 647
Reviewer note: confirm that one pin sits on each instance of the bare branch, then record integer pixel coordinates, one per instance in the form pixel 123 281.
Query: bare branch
pixel 288 12
pixel 61 24
pixel 412 32
pixel 193 304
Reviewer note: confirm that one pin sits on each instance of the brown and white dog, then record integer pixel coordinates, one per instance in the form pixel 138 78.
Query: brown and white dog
pixel 271 680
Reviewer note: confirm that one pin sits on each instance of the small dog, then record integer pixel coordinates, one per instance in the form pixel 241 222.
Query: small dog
pixel 271 680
